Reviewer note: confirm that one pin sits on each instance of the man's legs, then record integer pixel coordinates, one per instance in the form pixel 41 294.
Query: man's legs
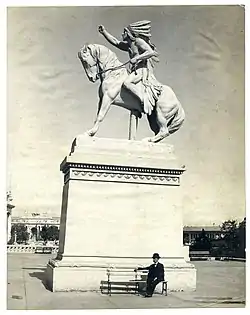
pixel 151 284
pixel 149 290
pixel 154 284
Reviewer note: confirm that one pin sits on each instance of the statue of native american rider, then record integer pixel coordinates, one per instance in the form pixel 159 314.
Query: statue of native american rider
pixel 143 54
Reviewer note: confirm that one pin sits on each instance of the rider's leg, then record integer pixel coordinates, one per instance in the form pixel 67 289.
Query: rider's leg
pixel 145 75
pixel 130 84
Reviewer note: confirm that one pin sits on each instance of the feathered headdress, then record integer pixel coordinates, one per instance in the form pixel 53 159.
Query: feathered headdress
pixel 141 28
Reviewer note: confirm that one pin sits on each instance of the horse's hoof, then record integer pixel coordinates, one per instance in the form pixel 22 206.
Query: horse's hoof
pixel 87 134
pixel 147 139
pixel 90 133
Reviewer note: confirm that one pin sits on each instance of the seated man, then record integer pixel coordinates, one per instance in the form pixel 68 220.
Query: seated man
pixel 155 274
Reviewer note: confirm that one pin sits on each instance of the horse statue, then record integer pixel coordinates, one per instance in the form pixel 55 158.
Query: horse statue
pixel 99 62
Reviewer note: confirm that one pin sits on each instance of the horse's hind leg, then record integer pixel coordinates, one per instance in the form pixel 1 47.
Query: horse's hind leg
pixel 163 128
pixel 177 122
pixel 152 119
pixel 162 134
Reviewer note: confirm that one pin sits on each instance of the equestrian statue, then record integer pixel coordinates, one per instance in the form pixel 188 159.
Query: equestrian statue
pixel 136 88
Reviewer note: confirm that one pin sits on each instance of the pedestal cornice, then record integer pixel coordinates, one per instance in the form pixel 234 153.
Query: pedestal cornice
pixel 120 173
pixel 115 160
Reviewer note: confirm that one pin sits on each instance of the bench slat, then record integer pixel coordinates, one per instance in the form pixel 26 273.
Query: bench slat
pixel 121 274
pixel 120 289
pixel 121 283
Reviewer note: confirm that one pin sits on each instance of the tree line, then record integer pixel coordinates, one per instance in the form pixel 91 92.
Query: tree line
pixel 20 234
pixel 230 243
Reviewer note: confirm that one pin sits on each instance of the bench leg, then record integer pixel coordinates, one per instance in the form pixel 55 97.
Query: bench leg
pixel 137 288
pixel 164 288
pixel 109 288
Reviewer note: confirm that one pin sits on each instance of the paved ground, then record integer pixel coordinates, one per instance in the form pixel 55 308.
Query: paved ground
pixel 219 284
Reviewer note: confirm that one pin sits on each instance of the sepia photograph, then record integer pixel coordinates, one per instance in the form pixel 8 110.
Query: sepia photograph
pixel 125 180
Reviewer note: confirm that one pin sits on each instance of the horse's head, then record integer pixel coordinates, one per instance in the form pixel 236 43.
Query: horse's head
pixel 88 56
pixel 96 59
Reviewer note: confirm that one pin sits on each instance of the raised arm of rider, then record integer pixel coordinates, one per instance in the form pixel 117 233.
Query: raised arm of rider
pixel 112 40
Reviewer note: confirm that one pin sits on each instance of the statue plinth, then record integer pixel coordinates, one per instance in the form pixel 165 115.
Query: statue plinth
pixel 121 203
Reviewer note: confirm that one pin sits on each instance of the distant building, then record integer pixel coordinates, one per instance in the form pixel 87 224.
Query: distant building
pixel 37 222
pixel 190 233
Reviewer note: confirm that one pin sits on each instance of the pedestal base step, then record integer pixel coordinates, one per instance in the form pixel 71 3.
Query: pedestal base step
pixel 75 276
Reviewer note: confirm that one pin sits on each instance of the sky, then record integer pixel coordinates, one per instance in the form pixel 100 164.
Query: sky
pixel 50 100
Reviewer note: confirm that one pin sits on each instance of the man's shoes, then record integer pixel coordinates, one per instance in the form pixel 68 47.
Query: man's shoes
pixel 147 295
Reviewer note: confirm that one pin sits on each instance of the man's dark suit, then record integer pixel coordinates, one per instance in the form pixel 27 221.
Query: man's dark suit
pixel 155 275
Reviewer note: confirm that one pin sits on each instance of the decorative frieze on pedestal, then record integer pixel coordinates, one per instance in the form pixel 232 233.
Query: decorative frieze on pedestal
pixel 118 173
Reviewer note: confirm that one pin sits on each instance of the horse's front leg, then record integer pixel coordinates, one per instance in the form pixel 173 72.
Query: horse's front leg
pixel 91 132
pixel 103 109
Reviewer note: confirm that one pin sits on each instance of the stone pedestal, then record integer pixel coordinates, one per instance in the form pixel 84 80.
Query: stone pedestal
pixel 121 203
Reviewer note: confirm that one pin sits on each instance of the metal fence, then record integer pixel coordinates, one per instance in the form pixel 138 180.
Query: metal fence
pixel 32 249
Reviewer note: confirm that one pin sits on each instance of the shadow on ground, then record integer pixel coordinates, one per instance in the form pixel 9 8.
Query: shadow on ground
pixel 41 275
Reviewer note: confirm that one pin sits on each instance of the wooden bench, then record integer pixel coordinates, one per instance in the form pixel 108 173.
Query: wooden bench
pixel 199 255
pixel 43 250
pixel 129 286
pixel 39 250
pixel 125 286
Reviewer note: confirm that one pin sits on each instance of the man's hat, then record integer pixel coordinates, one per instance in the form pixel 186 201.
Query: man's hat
pixel 156 255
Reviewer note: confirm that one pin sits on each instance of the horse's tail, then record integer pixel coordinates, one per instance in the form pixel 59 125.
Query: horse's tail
pixel 177 120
